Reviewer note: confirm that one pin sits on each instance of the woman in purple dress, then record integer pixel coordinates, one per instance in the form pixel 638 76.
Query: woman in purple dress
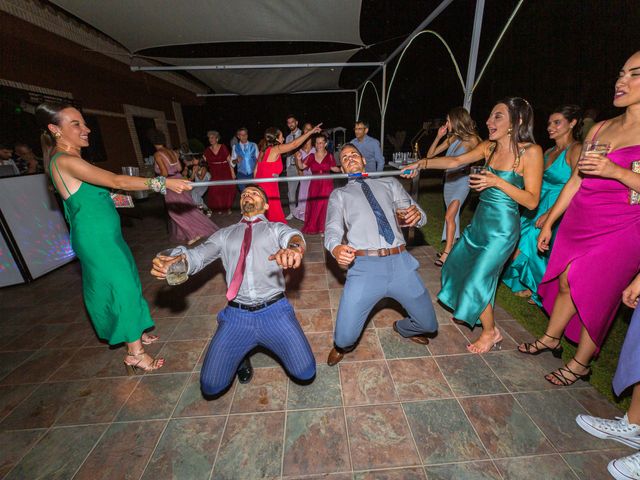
pixel 188 224
pixel 595 253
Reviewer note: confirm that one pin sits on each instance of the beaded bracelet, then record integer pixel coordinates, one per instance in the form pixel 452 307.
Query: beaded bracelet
pixel 157 184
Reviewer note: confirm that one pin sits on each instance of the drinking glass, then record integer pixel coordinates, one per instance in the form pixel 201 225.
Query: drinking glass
pixel 177 271
pixel 593 146
pixel 478 170
pixel 400 208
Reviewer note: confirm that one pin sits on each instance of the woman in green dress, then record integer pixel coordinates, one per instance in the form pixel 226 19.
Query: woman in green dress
pixel 512 177
pixel 110 282
pixel 524 273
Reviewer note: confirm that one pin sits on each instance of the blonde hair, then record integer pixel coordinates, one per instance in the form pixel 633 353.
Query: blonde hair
pixel 462 125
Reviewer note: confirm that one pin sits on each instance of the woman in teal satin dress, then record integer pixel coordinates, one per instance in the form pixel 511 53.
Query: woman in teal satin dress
pixel 524 273
pixel 513 177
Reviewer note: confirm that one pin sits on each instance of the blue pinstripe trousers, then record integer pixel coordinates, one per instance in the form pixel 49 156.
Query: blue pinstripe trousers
pixel 239 331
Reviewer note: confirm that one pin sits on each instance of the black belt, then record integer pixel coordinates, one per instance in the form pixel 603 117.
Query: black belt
pixel 259 306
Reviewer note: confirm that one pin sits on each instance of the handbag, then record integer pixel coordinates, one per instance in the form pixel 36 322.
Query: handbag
pixel 122 200
pixel 634 197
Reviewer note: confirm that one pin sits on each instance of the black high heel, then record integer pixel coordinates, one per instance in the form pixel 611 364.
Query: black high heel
pixel 559 375
pixel 555 351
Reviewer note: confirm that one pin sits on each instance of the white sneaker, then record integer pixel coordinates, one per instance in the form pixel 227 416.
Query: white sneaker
pixel 625 468
pixel 290 216
pixel 619 429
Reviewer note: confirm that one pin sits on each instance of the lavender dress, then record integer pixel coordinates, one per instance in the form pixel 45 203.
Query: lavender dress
pixel 303 190
pixel 628 371
pixel 187 221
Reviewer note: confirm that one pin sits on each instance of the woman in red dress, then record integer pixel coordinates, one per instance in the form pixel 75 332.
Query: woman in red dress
pixel 320 163
pixel 270 165
pixel 221 198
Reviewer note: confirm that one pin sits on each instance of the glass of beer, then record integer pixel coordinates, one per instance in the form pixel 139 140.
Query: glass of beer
pixel 593 146
pixel 177 271
pixel 400 207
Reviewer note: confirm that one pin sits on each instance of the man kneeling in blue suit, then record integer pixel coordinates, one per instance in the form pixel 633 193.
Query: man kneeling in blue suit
pixel 382 267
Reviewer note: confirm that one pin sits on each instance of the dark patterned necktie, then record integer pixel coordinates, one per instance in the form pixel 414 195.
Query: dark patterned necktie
pixel 384 228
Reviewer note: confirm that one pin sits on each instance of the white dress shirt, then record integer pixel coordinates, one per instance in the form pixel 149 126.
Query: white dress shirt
pixel 349 208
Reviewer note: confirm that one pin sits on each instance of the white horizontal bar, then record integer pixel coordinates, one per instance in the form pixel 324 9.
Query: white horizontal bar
pixel 167 68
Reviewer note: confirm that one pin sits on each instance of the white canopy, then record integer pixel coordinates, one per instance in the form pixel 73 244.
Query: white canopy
pixel 142 24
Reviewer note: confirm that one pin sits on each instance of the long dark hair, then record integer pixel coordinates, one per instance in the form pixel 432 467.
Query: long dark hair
pixel 571 113
pixel 48 113
pixel 271 136
pixel 521 119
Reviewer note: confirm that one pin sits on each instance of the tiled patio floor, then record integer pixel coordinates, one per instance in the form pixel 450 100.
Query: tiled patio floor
pixel 391 410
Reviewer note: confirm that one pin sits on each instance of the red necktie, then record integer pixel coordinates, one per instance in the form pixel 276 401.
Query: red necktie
pixel 238 274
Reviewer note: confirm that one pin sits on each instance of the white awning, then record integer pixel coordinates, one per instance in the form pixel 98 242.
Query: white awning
pixel 142 24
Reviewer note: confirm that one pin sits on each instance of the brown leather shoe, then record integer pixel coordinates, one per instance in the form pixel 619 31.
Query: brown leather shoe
pixel 421 339
pixel 334 357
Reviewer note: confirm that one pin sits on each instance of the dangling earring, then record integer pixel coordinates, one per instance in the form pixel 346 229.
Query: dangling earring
pixel 509 131
pixel 56 135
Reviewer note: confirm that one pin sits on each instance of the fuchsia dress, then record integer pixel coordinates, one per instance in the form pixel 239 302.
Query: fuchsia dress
pixel 318 195
pixel 599 238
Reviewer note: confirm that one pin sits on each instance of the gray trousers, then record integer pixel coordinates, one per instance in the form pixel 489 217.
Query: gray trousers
pixel 292 171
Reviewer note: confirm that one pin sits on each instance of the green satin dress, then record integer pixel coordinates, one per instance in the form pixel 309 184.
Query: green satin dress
pixel 526 271
pixel 110 281
pixel 470 274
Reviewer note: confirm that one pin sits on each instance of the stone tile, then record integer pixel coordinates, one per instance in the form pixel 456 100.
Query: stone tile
pixel 314 257
pixel 58 454
pixel 335 294
pixel 299 281
pixel 395 346
pixel 261 357
pixel 187 449
pixel 448 341
pixel 323 476
pixel 315 320
pixel 14 445
pixel 324 391
pixel 11 396
pixel 208 305
pixel 518 371
pixel 593 465
pixel 515 330
pixel 432 424
pixel 367 349
pixel 193 404
pixel 595 403
pixel 122 452
pixel 314 269
pixel 384 316
pixel 546 466
pixel 504 427
pixel 315 442
pixel 267 391
pixel 98 401
pixel 91 362
pixel 418 379
pixel 252 444
pixel 154 397
pixel 469 375
pixel 467 471
pixel 321 344
pixel 74 336
pixel 379 437
pixel 365 383
pixel 309 299
pixel 38 367
pixel 396 474
pixel 180 356
pixel 195 327
pixel 554 412
pixel 36 337
pixel 44 406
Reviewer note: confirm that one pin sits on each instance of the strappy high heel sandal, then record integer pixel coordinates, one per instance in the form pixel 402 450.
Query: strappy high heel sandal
pixel 149 338
pixel 442 257
pixel 555 351
pixel 560 375
pixel 135 365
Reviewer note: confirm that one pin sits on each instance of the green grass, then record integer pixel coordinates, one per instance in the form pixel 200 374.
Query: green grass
pixel 530 316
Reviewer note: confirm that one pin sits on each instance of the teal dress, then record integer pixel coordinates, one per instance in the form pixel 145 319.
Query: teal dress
pixel 526 271
pixel 110 281
pixel 470 274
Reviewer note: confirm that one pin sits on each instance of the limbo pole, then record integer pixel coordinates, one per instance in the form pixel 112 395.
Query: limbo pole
pixel 245 181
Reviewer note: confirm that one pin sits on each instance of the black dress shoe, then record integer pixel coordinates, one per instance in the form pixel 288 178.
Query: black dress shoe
pixel 245 371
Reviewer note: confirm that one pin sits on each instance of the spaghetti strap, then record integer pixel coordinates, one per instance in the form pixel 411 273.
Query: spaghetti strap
pixel 55 164
pixel 595 135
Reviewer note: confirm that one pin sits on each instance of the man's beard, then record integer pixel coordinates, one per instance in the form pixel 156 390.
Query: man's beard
pixel 248 208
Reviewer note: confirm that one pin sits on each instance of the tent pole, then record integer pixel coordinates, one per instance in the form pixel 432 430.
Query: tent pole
pixel 356 109
pixel 383 110
pixel 473 54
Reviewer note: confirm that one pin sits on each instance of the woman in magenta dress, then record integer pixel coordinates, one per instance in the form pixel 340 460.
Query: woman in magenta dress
pixel 188 224
pixel 219 199
pixel 595 253
pixel 270 166
pixel 320 163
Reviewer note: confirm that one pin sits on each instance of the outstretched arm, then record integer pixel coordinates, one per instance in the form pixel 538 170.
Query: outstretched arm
pixel 287 147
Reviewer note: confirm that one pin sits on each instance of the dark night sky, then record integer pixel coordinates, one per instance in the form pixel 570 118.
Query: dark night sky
pixel 556 51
